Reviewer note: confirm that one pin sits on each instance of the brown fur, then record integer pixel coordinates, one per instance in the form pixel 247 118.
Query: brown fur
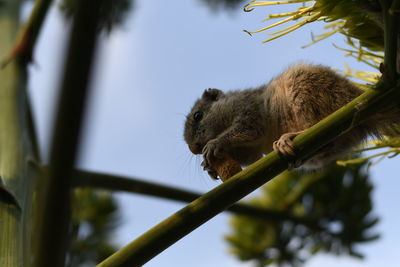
pixel 244 124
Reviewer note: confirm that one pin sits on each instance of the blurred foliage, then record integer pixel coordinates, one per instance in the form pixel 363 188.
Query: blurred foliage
pixel 113 12
pixel 94 217
pixel 223 4
pixel 338 200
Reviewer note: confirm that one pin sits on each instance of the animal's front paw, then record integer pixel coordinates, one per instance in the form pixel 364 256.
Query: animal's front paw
pixel 213 149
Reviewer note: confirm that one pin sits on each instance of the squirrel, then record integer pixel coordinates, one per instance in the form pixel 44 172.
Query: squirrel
pixel 246 124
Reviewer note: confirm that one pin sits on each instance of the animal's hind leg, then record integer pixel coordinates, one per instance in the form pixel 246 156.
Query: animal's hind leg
pixel 285 146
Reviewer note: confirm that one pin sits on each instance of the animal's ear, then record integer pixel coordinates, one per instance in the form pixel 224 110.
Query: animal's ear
pixel 212 94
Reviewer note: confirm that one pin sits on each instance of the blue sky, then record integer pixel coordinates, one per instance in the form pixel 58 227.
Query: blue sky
pixel 149 73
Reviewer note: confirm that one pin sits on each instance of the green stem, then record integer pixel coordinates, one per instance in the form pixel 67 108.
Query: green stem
pixel 55 205
pixel 111 182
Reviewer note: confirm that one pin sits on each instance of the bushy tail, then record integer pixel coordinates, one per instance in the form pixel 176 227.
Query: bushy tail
pixel 387 122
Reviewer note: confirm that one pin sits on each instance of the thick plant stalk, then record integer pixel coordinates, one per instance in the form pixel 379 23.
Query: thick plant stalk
pixel 18 154
pixel 55 204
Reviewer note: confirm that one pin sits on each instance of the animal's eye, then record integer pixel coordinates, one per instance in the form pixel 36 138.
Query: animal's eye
pixel 197 116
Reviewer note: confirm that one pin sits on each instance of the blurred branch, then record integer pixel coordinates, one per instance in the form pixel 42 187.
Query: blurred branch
pixel 23 49
pixel 226 5
pixel 55 204
pixel 111 182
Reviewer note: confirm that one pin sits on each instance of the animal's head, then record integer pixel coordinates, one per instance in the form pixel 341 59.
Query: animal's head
pixel 199 125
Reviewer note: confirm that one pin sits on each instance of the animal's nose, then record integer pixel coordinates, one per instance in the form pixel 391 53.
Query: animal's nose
pixel 196 148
